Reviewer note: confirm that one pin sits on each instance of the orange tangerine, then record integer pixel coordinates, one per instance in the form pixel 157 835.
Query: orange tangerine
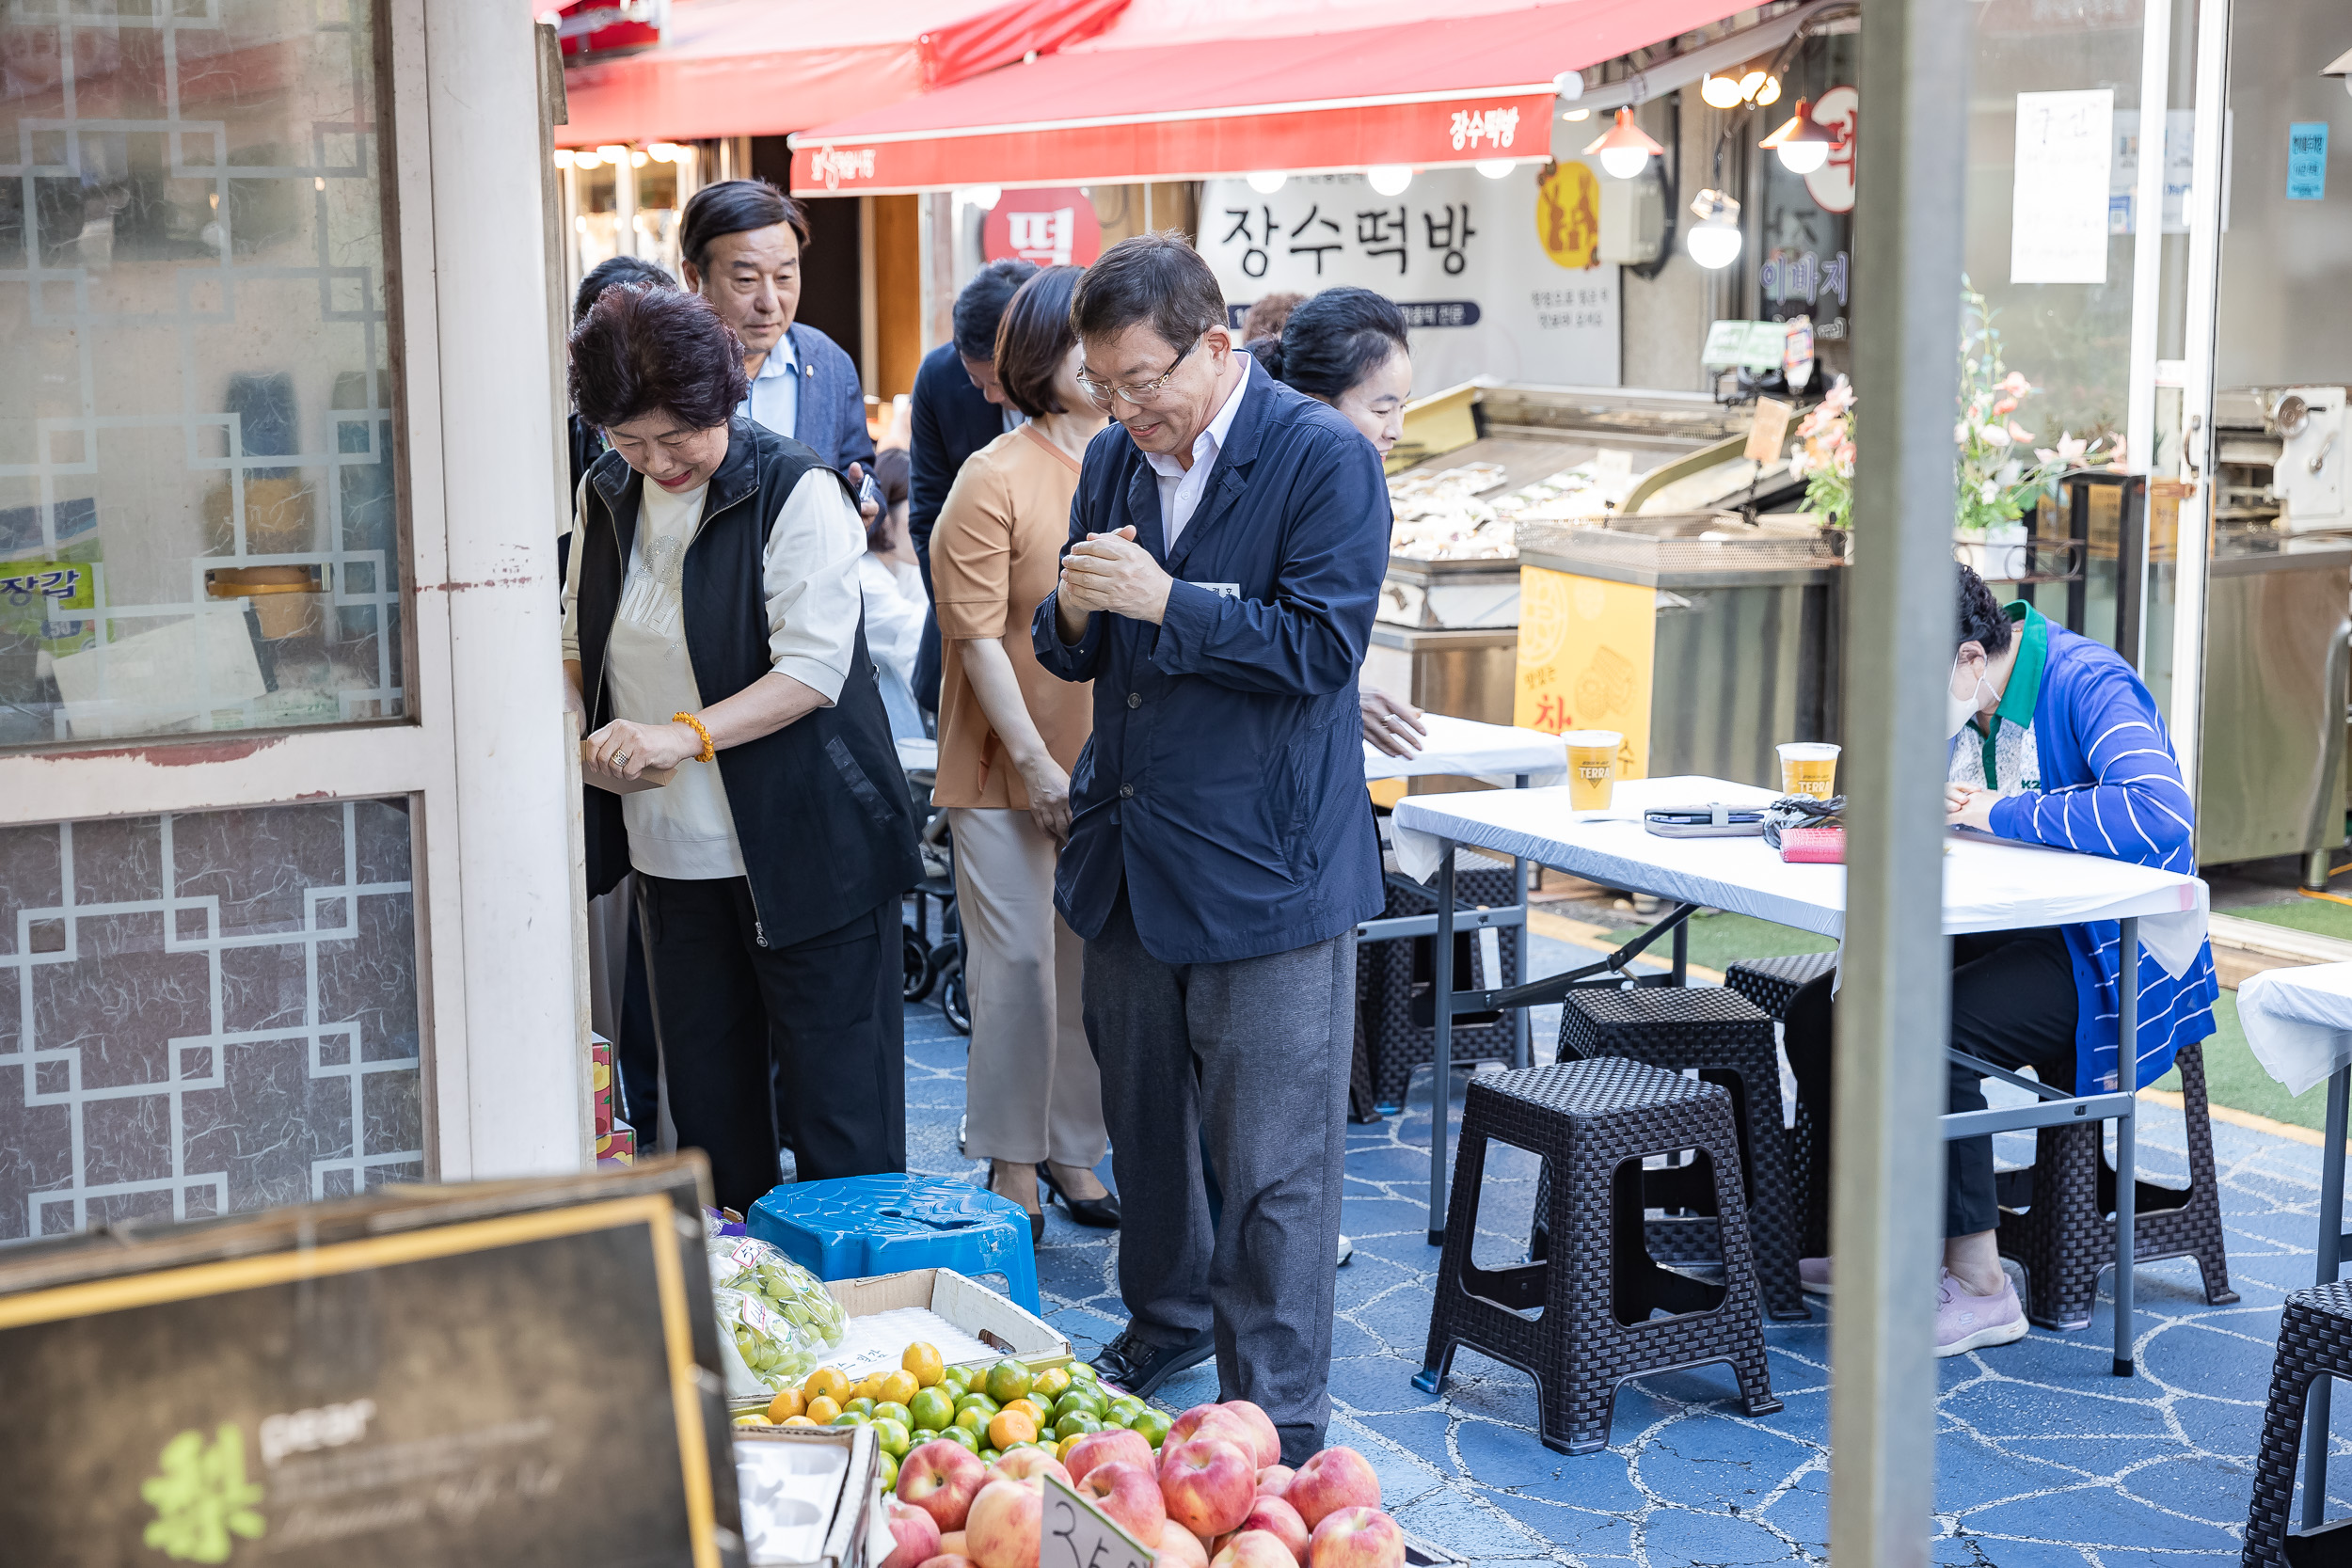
pixel 797 1421
pixel 1028 1407
pixel 899 1388
pixel 823 1411
pixel 922 1360
pixel 829 1382
pixel 1012 1426
pixel 787 1403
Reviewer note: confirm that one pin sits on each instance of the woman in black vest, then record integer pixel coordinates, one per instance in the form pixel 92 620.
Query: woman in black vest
pixel 712 624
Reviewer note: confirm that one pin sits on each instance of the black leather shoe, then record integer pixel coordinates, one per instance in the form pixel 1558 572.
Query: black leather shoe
pixel 1140 1366
pixel 1101 1213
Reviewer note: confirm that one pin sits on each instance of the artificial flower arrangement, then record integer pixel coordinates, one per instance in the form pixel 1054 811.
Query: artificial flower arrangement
pixel 1993 482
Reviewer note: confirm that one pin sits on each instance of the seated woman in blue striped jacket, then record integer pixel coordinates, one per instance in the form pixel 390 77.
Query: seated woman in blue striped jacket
pixel 2055 741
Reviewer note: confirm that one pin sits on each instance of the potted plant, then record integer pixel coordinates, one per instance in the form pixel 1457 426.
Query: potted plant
pixel 1997 471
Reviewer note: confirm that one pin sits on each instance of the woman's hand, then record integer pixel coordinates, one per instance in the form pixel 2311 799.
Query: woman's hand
pixel 626 750
pixel 1390 726
pixel 1049 797
pixel 1966 806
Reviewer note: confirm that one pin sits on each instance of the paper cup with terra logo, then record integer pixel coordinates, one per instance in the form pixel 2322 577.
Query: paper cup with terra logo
pixel 1592 767
pixel 1808 767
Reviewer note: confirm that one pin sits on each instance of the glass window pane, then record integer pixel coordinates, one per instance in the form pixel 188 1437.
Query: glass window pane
pixel 198 518
pixel 204 1012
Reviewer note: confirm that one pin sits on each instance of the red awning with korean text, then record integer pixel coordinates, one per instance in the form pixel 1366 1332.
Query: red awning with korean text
pixel 1424 94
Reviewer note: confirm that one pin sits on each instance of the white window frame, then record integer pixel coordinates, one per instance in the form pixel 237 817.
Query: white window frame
pixel 484 759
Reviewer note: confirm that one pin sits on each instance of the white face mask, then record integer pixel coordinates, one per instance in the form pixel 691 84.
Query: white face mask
pixel 1958 709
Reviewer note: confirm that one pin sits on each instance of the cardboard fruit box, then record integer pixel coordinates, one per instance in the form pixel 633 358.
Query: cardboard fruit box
pixel 887 1312
pixel 822 1515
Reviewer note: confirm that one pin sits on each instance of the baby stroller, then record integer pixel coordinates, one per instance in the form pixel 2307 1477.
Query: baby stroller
pixel 933 964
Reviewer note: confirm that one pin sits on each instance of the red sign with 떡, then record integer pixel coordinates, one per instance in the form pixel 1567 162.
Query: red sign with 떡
pixel 1054 227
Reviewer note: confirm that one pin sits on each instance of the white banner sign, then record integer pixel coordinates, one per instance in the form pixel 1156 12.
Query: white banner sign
pixel 2058 207
pixel 1496 277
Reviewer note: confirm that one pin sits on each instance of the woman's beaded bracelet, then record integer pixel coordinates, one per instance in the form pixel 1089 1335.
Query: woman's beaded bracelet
pixel 708 750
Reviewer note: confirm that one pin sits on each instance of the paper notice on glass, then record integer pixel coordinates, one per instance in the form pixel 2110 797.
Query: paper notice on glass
pixel 181 671
pixel 2058 205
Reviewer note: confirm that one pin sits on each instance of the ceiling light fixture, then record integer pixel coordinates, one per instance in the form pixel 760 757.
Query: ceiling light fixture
pixel 1802 142
pixel 1625 148
pixel 1714 239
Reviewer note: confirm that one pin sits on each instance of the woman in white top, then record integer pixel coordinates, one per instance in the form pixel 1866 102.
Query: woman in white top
pixel 895 602
pixel 711 617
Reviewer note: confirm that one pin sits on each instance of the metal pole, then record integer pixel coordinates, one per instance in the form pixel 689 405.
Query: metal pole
pixel 1886 1204
pixel 1441 1040
pixel 2127 1164
pixel 2330 1265
pixel 1522 1045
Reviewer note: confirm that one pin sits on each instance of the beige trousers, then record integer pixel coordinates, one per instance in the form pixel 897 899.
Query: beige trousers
pixel 1031 1091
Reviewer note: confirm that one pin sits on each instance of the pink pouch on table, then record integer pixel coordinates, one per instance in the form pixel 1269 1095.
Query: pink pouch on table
pixel 1813 846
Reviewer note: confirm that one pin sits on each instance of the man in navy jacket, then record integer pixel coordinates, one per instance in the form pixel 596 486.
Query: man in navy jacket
pixel 1227 541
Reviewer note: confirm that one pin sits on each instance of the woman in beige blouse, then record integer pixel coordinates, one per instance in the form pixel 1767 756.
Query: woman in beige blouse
pixel 1008 735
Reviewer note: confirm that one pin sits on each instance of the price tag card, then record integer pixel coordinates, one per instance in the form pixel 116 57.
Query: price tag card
pixel 1078 1534
pixel 1770 429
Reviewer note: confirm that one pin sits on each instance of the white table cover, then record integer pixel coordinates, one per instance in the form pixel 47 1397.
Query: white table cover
pixel 2299 1021
pixel 1988 885
pixel 1497 753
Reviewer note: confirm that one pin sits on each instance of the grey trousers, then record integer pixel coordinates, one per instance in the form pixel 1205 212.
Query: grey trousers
pixel 1250 1058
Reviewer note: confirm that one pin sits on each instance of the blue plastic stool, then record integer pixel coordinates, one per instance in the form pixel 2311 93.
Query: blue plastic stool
pixel 867 1225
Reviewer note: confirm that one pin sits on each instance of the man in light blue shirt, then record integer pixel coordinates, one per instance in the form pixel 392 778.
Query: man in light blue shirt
pixel 741 241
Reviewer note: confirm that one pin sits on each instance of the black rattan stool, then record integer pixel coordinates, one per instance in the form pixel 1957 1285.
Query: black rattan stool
pixel 2315 1340
pixel 2066 1238
pixel 1594 1122
pixel 1727 1040
pixel 1771 984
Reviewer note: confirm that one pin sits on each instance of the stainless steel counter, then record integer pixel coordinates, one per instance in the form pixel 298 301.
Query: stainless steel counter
pixel 2271 775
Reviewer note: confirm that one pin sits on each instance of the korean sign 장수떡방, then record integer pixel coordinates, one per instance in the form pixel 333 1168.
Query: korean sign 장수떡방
pixel 1495 277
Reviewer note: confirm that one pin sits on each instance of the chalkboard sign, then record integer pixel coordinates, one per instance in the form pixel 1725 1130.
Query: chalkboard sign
pixel 510 1373
pixel 1073 1534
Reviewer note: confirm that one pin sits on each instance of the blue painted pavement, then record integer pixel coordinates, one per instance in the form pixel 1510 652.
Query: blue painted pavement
pixel 2044 1458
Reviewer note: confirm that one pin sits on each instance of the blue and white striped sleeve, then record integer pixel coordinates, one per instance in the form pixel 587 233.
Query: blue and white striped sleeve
pixel 2137 809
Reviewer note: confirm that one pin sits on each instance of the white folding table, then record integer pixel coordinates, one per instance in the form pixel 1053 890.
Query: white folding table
pixel 2299 1024
pixel 1499 755
pixel 1989 885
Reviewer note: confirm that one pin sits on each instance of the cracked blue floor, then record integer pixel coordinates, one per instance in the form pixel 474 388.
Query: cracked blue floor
pixel 2044 1458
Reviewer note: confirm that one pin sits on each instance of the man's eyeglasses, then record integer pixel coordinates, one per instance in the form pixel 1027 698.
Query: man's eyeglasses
pixel 1140 395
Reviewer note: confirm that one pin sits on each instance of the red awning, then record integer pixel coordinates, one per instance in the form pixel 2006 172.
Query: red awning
pixel 750 67
pixel 1424 94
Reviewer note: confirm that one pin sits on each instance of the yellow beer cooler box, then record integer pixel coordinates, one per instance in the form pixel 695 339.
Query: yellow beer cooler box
pixel 1703 639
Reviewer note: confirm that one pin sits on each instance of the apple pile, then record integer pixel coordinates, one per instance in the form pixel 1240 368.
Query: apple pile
pixel 1216 1495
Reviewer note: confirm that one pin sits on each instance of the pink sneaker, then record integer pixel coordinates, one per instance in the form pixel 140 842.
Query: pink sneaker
pixel 1813 1276
pixel 1965 1321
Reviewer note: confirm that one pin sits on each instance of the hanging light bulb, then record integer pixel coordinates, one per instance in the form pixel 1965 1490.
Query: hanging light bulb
pixel 1769 92
pixel 1625 148
pixel 1803 142
pixel 1495 169
pixel 1751 82
pixel 1268 181
pixel 1714 239
pixel 1390 178
pixel 563 157
pixel 1578 115
pixel 1721 92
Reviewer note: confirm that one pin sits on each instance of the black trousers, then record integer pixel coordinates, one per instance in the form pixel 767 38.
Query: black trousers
pixel 2013 1004
pixel 826 1013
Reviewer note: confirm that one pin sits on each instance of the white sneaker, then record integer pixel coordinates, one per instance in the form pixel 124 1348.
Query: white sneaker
pixel 1813 1276
pixel 1347 1251
pixel 1965 1321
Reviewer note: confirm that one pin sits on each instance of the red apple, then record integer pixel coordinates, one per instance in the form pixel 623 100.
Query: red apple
pixel 1254 1548
pixel 1023 1463
pixel 1007 1519
pixel 917 1534
pixel 952 1543
pixel 1332 1480
pixel 1260 1426
pixel 1273 1516
pixel 1179 1549
pixel 1205 1420
pixel 1357 1538
pixel 1274 1480
pixel 942 1479
pixel 950 1559
pixel 1130 1493
pixel 1118 1445
pixel 1207 1483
